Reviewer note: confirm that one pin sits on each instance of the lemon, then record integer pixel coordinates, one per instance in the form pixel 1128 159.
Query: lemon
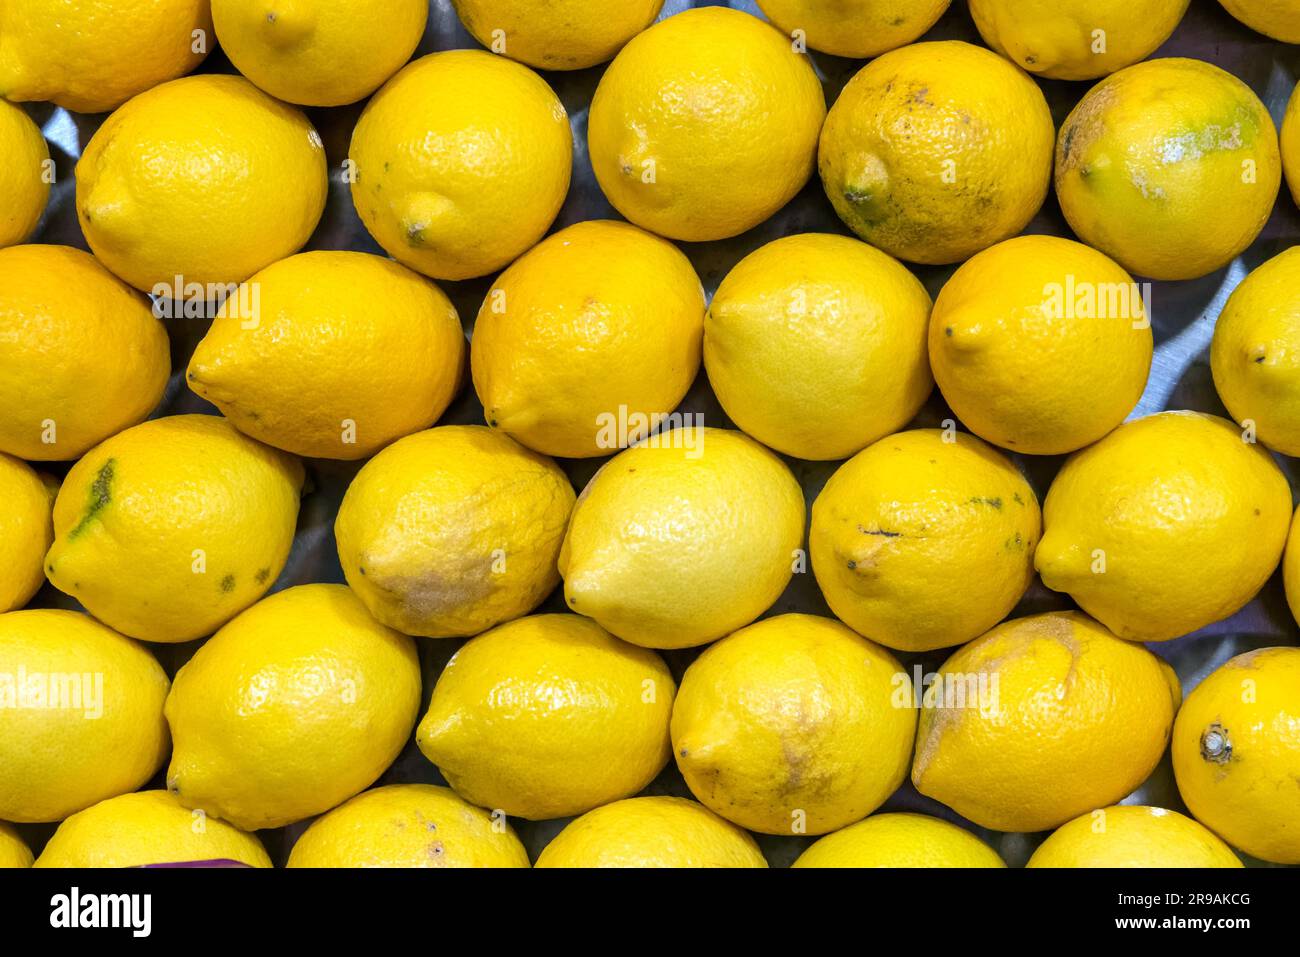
pixel 1255 353
pixel 90 56
pixel 319 53
pixel 408 825
pixel 335 355
pixel 705 125
pixel 900 840
pixel 1105 705
pixel 1236 753
pixel 1291 144
pixel 168 530
pixel 24 174
pixel 651 832
pixel 165 201
pixel 684 538
pixel 1133 836
pixel 815 345
pixel 144 828
pixel 924 539
pixel 460 163
pixel 559 34
pixel 453 530
pixel 549 716
pixel 854 28
pixel 13 852
pixel 81 355
pixel 598 323
pixel 1168 524
pixel 80 714
pixel 1279 19
pixel 1040 344
pixel 937 150
pixel 1170 167
pixel 26 530
pixel 291 709
pixel 1076 39
pixel 794 725
pixel 1291 567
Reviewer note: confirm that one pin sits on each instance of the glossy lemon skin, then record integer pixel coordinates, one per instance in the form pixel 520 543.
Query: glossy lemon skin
pixel 860 29
pixel 1290 142
pixel 24 171
pixel 558 35
pixel 26 530
pixel 1279 19
pixel 1133 836
pixel 13 852
pixel 900 840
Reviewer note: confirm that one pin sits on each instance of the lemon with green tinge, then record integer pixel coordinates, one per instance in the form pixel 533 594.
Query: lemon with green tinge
pixel 13 852
pixel 292 708
pixel 815 345
pixel 88 722
pixel 1170 167
pixel 559 34
pixel 705 125
pixel 26 530
pixel 924 539
pixel 1168 524
pixel 25 172
pixel 148 827
pixel 900 840
pixel 597 324
pixel 937 150
pixel 1236 753
pixel 319 53
pixel 90 56
pixel 1290 140
pixel 335 355
pixel 1105 705
pixel 408 825
pixel 854 28
pixel 794 725
pixel 81 355
pixel 1040 344
pixel 460 163
pixel 549 716
pixel 160 196
pixel 1279 19
pixel 1133 836
pixel 684 538
pixel 651 832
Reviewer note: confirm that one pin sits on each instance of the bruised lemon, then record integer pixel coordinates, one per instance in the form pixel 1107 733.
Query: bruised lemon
pixel 559 34
pixel 599 323
pixel 1106 706
pixel 25 173
pixel 1290 137
pixel 860 29
pixel 1133 836
pixel 26 530
pixel 1279 19
pixel 1168 524
pixel 900 840
pixel 13 852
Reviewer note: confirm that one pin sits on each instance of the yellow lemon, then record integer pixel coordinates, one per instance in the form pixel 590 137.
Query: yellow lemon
pixel 1076 39
pixel 1105 705
pixel 1168 524
pixel 319 53
pixel 651 832
pixel 13 852
pixel 1041 345
pixel 147 827
pixel 548 717
pixel 292 708
pixel 90 56
pixel 1291 567
pixel 81 355
pixel 26 530
pixel 1279 19
pixel 1291 144
pixel 937 150
pixel 559 34
pixel 815 345
pixel 924 539
pixel 408 825
pixel 461 163
pixel 597 324
pixel 334 355
pixel 1170 167
pixel 900 840
pixel 453 530
pixel 165 201
pixel 24 173
pixel 1133 836
pixel 705 125
pixel 1255 353
pixel 171 528
pixel 1237 753
pixel 684 538
pixel 855 28
pixel 794 725
pixel 81 714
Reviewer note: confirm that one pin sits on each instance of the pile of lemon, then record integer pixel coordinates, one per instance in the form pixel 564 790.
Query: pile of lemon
pixel 293 703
